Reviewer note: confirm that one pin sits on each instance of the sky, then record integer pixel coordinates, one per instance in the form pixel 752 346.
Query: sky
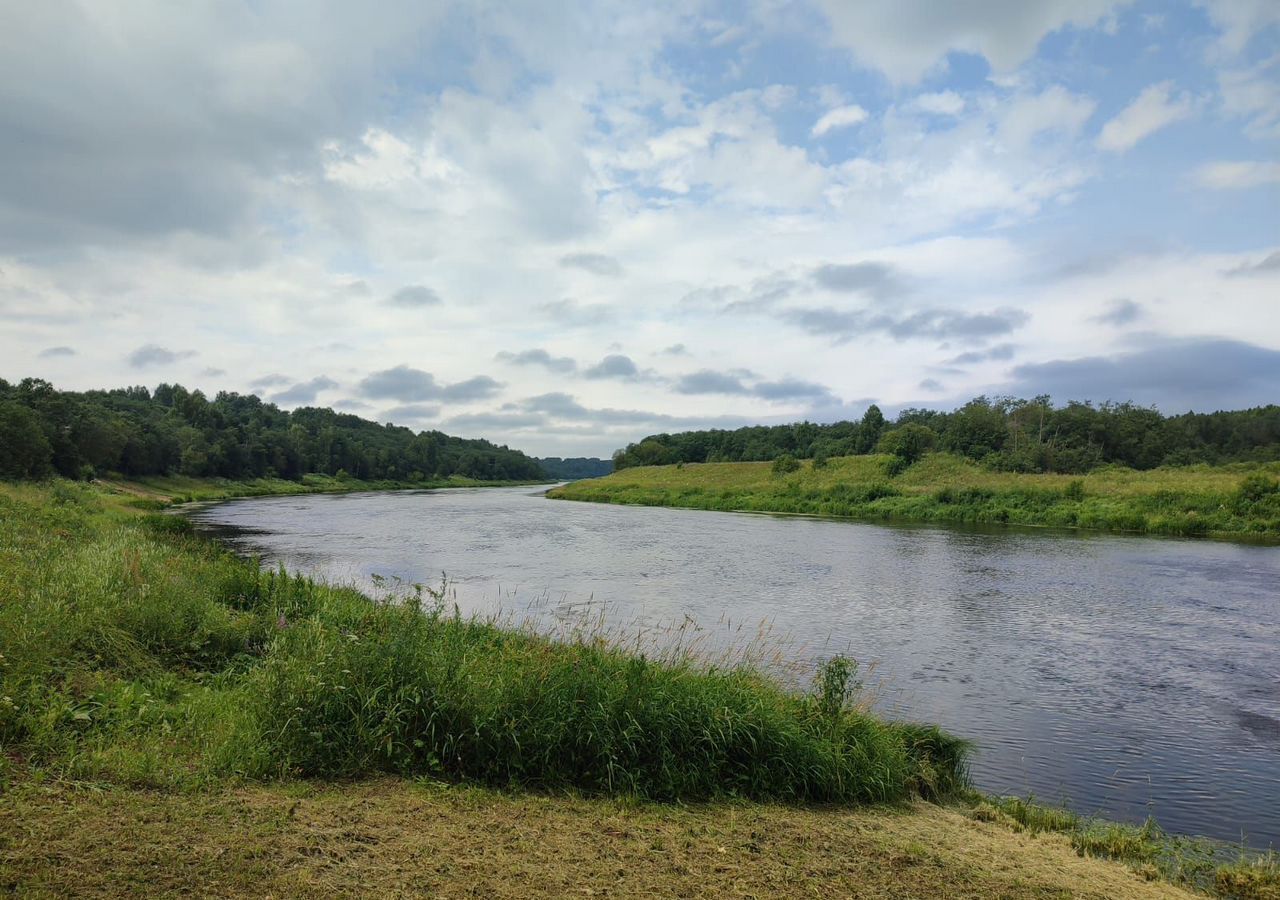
pixel 563 227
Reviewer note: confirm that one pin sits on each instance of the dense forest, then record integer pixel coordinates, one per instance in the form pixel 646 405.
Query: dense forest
pixel 1003 432
pixel 573 468
pixel 172 430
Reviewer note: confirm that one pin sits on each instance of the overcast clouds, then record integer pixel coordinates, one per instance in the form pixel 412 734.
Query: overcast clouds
pixel 564 228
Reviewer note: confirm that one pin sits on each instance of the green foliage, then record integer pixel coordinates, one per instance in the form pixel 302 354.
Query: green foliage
pixel 1005 433
pixel 25 452
pixel 133 652
pixel 820 459
pixel 784 464
pixel 908 442
pixel 175 431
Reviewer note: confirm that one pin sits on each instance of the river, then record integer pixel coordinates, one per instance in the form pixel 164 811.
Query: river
pixel 1124 676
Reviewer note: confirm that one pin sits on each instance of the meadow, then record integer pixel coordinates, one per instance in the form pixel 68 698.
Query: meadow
pixel 1240 500
pixel 174 718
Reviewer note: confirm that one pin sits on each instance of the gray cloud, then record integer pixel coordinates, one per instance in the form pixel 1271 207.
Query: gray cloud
pixel 304 393
pixel 707 381
pixel 1121 311
pixel 1270 263
pixel 154 123
pixel 615 365
pixel 410 385
pixel 488 420
pixel 213 372
pixel 761 296
pixel 52 352
pixel 575 314
pixel 790 389
pixel 477 388
pixel 400 383
pixel 557 404
pixel 931 384
pixel 595 263
pixel 674 350
pixel 998 352
pixel 539 357
pixel 403 412
pixel 414 296
pixel 155 355
pixel 1203 374
pixel 875 279
pixel 927 323
pixel 275 379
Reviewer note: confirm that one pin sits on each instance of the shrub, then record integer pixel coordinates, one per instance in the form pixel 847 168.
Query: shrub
pixel 785 464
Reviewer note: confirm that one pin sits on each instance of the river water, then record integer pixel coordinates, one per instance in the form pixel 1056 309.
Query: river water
pixel 1125 676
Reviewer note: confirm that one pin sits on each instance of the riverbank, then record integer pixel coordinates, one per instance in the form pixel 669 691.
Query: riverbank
pixel 1239 501
pixel 159 490
pixel 172 719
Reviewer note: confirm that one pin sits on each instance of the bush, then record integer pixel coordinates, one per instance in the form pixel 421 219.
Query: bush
pixel 785 464
pixel 1257 487
pixel 820 460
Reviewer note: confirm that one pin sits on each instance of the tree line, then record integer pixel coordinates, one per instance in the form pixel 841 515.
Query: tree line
pixel 574 467
pixel 1004 433
pixel 172 430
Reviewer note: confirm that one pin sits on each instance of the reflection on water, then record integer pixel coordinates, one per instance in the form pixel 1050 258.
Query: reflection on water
pixel 1126 676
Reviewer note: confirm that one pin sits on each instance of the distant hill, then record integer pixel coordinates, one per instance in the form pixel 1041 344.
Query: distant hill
pixel 576 467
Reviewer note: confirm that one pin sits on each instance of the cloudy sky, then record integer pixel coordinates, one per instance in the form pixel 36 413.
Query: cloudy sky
pixel 565 226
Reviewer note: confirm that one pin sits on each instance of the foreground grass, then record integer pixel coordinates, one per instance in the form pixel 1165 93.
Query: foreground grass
pixel 392 837
pixel 173 720
pixel 1235 501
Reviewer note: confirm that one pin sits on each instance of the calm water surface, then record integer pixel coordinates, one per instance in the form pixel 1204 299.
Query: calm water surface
pixel 1125 676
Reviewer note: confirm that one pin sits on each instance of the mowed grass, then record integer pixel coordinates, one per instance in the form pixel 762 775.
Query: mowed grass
pixel 1239 500
pixel 392 837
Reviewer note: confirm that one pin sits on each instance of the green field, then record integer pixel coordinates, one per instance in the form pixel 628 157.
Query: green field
pixel 173 719
pixel 1237 501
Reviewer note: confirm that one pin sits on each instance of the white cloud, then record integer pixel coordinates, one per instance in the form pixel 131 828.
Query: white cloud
pixel 1153 109
pixel 942 103
pixel 1238 174
pixel 840 117
pixel 1240 20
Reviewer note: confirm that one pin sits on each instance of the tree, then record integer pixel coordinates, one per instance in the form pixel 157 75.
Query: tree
pixel 24 450
pixel 908 442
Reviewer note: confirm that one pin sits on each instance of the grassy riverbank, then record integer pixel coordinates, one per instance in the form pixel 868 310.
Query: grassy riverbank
pixel 172 719
pixel 169 489
pixel 1239 500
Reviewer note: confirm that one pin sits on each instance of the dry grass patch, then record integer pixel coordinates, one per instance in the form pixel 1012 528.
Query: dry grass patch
pixel 393 838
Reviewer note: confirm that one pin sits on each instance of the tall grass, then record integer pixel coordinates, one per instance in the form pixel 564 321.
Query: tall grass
pixel 1239 500
pixel 134 651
